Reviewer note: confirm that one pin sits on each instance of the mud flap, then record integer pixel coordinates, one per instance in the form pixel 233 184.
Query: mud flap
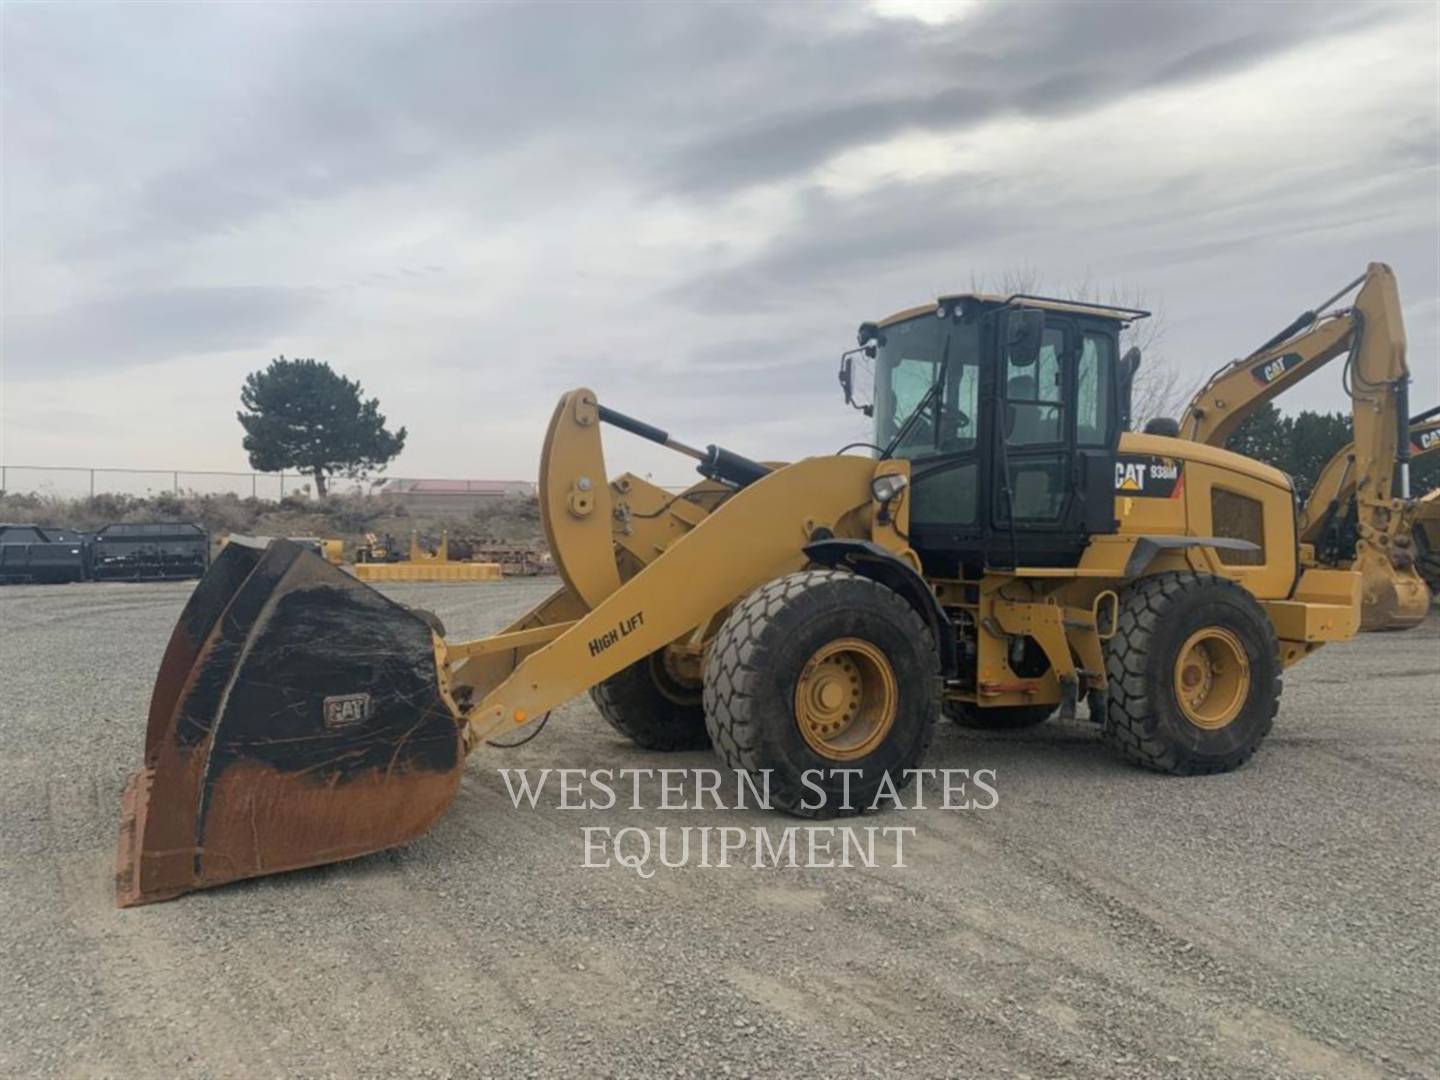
pixel 298 719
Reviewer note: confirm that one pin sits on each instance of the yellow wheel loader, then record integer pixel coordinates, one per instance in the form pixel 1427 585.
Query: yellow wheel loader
pixel 1359 514
pixel 1005 550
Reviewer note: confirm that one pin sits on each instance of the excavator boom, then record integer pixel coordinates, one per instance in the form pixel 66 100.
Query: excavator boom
pixel 1237 391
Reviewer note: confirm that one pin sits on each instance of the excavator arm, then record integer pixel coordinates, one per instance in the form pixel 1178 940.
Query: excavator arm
pixel 1376 468
pixel 1393 594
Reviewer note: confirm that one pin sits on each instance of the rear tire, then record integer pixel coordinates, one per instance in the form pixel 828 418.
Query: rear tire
pixel 1000 717
pixel 1203 638
pixel 780 662
pixel 652 708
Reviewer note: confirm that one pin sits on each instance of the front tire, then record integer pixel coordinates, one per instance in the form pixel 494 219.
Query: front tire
pixel 819 671
pixel 653 708
pixel 1193 673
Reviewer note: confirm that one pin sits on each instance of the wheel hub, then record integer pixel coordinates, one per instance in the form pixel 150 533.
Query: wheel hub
pixel 1212 678
pixel 846 699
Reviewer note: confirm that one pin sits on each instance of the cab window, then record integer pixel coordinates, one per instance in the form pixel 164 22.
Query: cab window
pixel 1093 394
pixel 1034 393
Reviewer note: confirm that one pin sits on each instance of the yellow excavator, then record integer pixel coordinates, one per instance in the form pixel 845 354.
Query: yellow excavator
pixel 1427 539
pixel 1003 549
pixel 1359 514
pixel 1329 518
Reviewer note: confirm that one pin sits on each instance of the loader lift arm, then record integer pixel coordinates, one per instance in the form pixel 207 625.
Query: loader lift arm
pixel 685 576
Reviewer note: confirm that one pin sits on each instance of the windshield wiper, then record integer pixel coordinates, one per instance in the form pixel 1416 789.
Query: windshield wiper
pixel 924 403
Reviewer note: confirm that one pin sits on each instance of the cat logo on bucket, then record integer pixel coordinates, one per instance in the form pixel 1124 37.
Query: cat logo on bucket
pixel 1148 477
pixel 346 710
pixel 1423 441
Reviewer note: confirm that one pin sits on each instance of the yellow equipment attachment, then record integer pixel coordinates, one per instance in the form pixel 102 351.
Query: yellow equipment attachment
pixel 1011 553
pixel 425 565
pixel 428 571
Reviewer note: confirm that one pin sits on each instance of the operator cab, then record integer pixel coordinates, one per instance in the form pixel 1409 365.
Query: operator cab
pixel 1010 410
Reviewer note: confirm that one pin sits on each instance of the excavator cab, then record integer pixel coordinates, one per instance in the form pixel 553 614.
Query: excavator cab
pixel 1010 411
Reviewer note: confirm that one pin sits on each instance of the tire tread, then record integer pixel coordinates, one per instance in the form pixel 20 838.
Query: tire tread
pixel 1127 724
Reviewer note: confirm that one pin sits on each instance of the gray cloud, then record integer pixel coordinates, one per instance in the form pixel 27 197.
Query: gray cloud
pixel 630 196
pixel 836 239
pixel 1077 57
pixel 125 329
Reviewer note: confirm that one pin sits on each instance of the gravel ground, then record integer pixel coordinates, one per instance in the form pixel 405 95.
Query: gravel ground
pixel 1101 921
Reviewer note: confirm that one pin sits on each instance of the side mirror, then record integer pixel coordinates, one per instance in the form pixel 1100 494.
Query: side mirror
pixel 1024 329
pixel 847 379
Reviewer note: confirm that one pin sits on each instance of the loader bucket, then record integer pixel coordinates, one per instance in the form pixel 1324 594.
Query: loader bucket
pixel 298 719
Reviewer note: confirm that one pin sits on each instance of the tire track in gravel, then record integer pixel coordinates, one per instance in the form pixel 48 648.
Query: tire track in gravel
pixel 149 981
pixel 1331 748
pixel 87 609
pixel 1184 955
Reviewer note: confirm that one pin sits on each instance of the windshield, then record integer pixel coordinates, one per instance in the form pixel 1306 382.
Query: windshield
pixel 907 363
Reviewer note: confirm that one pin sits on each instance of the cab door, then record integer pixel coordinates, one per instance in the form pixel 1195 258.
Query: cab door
pixel 1101 412
pixel 1054 446
pixel 1034 453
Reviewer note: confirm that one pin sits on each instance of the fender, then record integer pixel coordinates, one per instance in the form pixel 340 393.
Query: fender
pixel 869 559
pixel 1147 547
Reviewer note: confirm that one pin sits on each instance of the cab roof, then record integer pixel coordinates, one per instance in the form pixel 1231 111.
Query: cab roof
pixel 1047 303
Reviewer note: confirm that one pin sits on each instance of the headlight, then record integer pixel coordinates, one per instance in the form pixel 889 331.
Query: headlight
pixel 885 488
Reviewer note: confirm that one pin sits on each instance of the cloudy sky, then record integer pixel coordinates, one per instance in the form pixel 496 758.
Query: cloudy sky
pixel 473 208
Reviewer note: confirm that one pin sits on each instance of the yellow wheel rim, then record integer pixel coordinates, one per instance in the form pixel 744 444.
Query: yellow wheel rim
pixel 1212 678
pixel 845 699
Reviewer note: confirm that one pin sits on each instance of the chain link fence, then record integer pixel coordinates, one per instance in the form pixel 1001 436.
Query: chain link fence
pixel 75 482
pixel 79 482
